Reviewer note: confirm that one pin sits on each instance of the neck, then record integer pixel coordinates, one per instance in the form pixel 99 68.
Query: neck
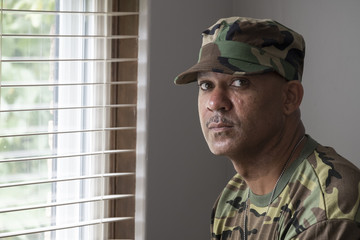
pixel 262 171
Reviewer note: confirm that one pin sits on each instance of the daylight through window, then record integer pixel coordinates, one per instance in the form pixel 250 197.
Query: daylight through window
pixel 68 109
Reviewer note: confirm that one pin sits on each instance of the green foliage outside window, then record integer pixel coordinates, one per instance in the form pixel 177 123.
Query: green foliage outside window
pixel 22 122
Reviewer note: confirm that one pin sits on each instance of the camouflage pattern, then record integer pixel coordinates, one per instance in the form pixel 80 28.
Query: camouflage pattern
pixel 244 46
pixel 318 198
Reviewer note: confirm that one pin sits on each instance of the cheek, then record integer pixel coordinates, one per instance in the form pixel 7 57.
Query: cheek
pixel 244 107
pixel 253 112
pixel 202 111
pixel 267 113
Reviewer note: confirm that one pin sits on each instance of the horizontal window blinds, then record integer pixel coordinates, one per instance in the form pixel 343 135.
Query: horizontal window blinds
pixel 68 103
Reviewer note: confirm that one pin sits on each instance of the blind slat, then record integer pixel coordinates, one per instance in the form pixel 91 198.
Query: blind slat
pixel 111 14
pixel 67 226
pixel 66 132
pixel 47 36
pixel 67 155
pixel 57 204
pixel 5 85
pixel 105 175
pixel 67 108
pixel 5 60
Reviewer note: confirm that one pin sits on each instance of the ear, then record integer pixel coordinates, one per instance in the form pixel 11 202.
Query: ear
pixel 293 92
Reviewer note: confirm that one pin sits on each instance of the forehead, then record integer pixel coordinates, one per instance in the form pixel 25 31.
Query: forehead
pixel 213 75
pixel 265 77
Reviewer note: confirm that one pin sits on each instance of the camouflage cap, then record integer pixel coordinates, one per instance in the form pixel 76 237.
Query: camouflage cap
pixel 245 46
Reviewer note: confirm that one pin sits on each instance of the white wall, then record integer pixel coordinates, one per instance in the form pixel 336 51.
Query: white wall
pixel 183 178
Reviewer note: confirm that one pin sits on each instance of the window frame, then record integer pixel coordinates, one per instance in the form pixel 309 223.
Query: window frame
pixel 140 153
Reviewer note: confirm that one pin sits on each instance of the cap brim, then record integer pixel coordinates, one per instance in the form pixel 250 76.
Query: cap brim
pixel 237 67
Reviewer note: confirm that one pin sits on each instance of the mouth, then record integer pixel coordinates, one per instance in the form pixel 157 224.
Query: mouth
pixel 218 123
pixel 219 126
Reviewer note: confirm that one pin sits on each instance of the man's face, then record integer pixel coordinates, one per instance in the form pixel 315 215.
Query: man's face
pixel 240 114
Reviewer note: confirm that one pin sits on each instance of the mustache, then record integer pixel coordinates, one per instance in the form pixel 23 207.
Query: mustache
pixel 219 119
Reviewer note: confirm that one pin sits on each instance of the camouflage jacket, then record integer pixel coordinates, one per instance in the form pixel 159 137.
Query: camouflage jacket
pixel 317 198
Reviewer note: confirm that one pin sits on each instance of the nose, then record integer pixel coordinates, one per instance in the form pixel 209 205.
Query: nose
pixel 219 100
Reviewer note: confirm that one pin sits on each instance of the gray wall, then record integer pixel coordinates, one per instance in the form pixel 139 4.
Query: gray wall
pixel 183 178
pixel 331 28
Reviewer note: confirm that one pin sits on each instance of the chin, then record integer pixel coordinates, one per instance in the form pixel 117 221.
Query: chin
pixel 222 145
pixel 219 151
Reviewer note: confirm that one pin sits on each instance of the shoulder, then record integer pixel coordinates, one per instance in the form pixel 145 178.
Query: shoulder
pixel 336 229
pixel 323 197
pixel 339 181
pixel 227 205
pixel 231 197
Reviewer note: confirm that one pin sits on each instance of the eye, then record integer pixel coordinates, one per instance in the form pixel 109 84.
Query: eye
pixel 205 86
pixel 240 82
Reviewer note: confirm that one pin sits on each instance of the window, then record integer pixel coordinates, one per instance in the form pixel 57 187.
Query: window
pixel 68 119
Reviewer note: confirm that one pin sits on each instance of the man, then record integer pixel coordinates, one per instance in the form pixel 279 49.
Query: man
pixel 287 185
